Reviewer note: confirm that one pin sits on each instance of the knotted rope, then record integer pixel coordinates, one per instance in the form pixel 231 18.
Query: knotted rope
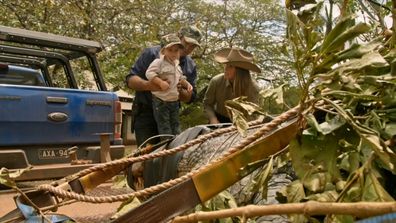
pixel 160 187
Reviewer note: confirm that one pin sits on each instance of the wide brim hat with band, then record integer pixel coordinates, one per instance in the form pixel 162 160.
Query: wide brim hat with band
pixel 237 57
pixel 191 35
pixel 170 40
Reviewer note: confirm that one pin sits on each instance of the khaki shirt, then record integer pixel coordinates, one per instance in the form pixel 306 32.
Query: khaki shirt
pixel 219 91
pixel 166 71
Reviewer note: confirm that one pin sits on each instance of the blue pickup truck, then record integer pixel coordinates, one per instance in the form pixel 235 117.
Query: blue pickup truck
pixel 55 109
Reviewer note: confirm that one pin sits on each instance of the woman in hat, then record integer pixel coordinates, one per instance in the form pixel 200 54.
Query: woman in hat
pixel 236 81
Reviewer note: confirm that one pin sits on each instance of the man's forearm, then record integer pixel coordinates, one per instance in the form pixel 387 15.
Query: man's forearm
pixel 138 84
pixel 156 81
pixel 210 113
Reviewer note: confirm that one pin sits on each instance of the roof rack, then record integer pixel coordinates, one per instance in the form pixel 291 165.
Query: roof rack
pixel 48 40
pixel 49 49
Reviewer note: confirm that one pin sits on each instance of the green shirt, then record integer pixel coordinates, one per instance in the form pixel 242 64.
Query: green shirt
pixel 219 91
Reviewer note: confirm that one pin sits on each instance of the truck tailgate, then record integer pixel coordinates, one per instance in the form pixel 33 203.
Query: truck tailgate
pixel 41 115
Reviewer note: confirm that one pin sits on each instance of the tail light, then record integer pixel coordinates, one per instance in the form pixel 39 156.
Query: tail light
pixel 117 119
pixel 3 68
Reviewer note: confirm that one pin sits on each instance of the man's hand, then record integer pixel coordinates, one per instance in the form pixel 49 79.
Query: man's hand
pixel 213 120
pixel 164 85
pixel 184 95
pixel 185 90
pixel 189 87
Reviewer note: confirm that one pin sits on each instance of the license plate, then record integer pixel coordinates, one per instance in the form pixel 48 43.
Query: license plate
pixel 53 154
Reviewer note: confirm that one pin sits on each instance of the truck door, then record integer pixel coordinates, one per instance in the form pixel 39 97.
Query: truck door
pixel 42 115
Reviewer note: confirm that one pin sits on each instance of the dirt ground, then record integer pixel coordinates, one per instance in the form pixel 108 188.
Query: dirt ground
pixel 79 211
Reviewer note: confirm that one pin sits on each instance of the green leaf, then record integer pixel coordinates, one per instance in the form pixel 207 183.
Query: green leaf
pixel 306 12
pixel 5 178
pixel 370 60
pixel 373 190
pixel 385 155
pixel 358 50
pixel 267 93
pixel 295 32
pixel 246 107
pixel 360 96
pixel 294 27
pixel 119 182
pixel 348 117
pixel 377 80
pixel 317 182
pixel 260 183
pixel 126 206
pixel 221 201
pixel 391 55
pixel 327 196
pixel 345 36
pixel 314 158
pixel 373 59
pixel 279 94
pixel 294 192
pixel 349 161
pixel 311 120
pixel 389 97
pixel 240 122
pixel 338 29
pixel 390 129
pixel 241 110
pixel 276 93
pixel 331 125
pixel 354 192
pixel 340 219
pixel 8 177
pixel 355 51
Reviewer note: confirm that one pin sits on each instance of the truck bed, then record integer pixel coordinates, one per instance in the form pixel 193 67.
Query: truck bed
pixel 31 115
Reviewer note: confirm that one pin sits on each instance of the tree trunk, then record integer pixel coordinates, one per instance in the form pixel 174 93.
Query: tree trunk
pixel 202 154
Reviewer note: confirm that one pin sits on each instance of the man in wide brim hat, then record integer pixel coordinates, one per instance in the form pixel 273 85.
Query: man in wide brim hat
pixel 237 57
pixel 191 34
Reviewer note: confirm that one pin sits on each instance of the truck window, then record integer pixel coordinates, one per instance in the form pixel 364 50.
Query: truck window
pixel 58 76
pixel 83 74
pixel 19 75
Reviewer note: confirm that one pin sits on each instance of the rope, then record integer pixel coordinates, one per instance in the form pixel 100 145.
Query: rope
pixel 154 137
pixel 128 161
pixel 160 187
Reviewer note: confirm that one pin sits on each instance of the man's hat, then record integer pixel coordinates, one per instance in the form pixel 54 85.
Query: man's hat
pixel 170 40
pixel 236 57
pixel 191 34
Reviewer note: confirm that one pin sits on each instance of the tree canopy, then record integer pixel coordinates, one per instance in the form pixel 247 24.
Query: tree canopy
pixel 125 27
pixel 339 52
